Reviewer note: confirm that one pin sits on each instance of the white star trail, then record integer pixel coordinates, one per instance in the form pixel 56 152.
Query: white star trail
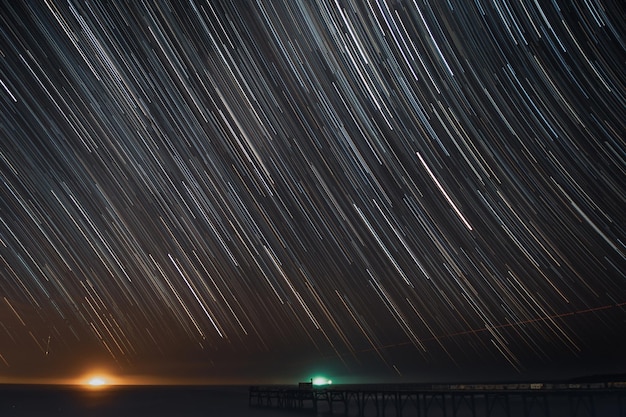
pixel 401 185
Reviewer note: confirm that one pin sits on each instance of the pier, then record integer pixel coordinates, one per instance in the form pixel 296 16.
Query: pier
pixel 501 400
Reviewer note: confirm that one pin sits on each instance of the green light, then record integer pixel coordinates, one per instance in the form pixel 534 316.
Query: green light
pixel 320 380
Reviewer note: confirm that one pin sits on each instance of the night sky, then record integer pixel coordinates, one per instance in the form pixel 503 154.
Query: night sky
pixel 231 191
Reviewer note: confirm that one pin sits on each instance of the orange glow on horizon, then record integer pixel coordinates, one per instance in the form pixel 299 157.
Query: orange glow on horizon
pixel 96 378
pixel 105 378
pixel 97 381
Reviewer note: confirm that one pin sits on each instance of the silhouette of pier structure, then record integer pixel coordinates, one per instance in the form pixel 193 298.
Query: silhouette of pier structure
pixel 510 400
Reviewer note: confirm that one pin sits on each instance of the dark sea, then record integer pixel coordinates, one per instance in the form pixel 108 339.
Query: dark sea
pixel 130 401
pixel 232 401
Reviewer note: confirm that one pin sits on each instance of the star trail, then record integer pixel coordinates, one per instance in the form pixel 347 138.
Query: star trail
pixel 398 188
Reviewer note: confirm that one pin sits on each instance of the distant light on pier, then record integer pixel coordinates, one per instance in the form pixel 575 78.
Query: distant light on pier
pixel 320 380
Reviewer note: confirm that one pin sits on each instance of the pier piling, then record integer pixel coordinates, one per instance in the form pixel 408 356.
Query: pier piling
pixel 506 400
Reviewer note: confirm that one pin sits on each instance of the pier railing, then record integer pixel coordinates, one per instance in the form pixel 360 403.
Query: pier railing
pixel 460 400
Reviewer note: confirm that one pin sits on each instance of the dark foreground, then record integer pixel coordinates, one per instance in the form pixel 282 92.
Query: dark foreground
pixel 153 401
pixel 475 400
pixel 213 401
